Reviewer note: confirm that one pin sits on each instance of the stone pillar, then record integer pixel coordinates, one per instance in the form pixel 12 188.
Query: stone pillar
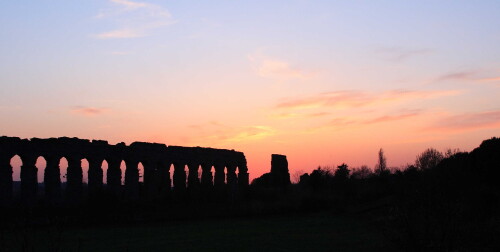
pixel 29 181
pixel 206 176
pixel 95 182
pixel 243 176
pixel 179 177
pixel 219 175
pixel 232 180
pixel 5 179
pixel 132 179
pixel 151 180
pixel 279 170
pixel 74 179
pixel 52 177
pixel 114 176
pixel 164 179
pixel 193 181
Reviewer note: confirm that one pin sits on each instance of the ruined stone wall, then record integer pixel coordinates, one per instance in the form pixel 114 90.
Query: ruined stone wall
pixel 157 160
pixel 279 170
pixel 278 177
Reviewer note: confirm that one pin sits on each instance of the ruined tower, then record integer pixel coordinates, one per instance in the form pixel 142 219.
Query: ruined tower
pixel 279 170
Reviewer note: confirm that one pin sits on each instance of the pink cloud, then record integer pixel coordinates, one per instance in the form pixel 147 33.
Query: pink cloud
pixel 463 75
pixel 467 122
pixel 352 99
pixel 401 54
pixel 87 111
pixel 389 118
pixel 298 115
pixel 494 79
pixel 214 133
pixel 344 122
pixel 267 67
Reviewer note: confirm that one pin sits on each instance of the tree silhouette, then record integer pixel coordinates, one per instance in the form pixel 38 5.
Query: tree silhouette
pixel 381 167
pixel 362 172
pixel 342 172
pixel 430 158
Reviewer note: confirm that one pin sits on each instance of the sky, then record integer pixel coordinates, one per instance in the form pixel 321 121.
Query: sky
pixel 323 82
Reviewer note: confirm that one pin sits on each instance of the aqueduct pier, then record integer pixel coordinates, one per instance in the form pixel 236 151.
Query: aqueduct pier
pixel 157 159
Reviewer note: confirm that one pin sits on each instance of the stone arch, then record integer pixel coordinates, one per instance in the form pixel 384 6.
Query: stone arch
pixel 85 171
pixel 63 168
pixel 165 177
pixel 123 169
pixel 218 167
pixel 200 173
pixel 225 174
pixel 171 169
pixel 140 172
pixel 16 162
pixel 41 164
pixel 104 167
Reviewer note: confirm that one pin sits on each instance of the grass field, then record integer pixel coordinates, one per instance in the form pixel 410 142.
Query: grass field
pixel 309 232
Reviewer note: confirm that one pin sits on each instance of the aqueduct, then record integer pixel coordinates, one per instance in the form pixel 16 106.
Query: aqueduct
pixel 230 167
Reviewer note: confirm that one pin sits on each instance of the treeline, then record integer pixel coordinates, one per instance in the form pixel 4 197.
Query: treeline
pixel 443 202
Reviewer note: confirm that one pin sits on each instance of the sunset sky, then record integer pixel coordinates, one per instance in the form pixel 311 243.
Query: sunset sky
pixel 323 82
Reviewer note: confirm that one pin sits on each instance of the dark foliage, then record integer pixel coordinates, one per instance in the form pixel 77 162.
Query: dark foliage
pixel 445 203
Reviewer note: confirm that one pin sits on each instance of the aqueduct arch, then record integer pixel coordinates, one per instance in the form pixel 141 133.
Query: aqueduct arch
pixel 155 158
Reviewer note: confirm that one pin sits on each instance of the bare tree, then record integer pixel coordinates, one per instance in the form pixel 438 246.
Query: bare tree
pixel 296 176
pixel 382 162
pixel 362 172
pixel 450 152
pixel 430 158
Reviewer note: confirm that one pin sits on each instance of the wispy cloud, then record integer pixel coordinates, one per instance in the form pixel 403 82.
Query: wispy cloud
pixel 390 118
pixel 467 122
pixel 273 68
pixel 350 99
pixel 349 121
pixel 299 115
pixel 87 111
pixel 471 76
pixel 401 54
pixel 217 134
pixel 250 133
pixel 129 4
pixel 123 33
pixel 461 75
pixel 134 19
pixel 493 79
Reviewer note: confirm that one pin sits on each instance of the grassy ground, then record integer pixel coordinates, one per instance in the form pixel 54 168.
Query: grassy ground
pixel 311 232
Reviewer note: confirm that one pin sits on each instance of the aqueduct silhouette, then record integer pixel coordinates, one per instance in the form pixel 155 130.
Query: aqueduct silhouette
pixel 155 158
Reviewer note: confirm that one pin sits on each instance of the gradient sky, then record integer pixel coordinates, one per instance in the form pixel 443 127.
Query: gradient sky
pixel 323 82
